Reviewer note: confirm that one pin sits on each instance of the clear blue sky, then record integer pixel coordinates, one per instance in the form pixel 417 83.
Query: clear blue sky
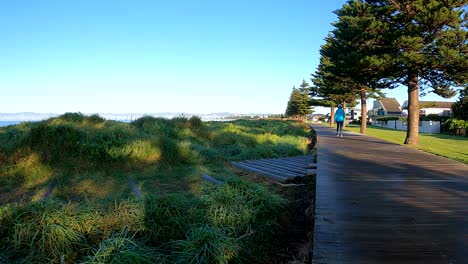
pixel 158 56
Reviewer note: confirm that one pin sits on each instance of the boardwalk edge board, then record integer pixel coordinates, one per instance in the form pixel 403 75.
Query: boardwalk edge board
pixel 279 169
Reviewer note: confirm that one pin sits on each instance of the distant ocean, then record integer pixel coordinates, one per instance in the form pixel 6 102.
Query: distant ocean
pixel 204 118
pixel 7 123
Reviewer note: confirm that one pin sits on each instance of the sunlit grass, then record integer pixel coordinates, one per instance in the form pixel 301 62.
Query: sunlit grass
pixel 452 147
pixel 93 216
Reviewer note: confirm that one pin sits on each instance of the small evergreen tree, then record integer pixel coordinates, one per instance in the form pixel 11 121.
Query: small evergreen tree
pixel 298 104
pixel 329 88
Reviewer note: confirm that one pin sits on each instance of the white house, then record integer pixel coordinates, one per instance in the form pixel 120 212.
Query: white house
pixel 432 107
pixel 385 107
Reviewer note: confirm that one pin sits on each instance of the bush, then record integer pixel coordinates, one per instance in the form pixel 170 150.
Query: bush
pixel 170 216
pixel 245 210
pixel 52 141
pixel 206 244
pixel 195 122
pixel 453 124
pixel 157 126
pixel 433 117
pixel 72 117
pixel 241 205
pixel 95 118
pixel 385 119
pixel 121 248
pixel 49 230
pixel 456 127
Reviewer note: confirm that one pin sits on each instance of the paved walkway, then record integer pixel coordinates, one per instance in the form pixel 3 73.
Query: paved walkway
pixel 378 202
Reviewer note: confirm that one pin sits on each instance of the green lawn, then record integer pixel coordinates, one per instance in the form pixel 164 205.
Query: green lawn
pixel 452 147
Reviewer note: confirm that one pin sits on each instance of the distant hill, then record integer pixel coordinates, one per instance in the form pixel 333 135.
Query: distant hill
pixel 31 116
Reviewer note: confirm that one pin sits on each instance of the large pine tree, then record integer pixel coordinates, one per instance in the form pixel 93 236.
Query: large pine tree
pixel 357 53
pixel 429 42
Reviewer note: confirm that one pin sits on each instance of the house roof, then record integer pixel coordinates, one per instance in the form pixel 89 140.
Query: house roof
pixel 390 104
pixel 430 104
pixel 434 104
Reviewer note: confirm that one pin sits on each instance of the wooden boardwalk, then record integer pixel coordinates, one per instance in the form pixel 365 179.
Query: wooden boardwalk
pixel 378 202
pixel 280 169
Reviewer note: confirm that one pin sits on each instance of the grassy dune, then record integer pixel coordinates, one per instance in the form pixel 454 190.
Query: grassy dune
pixel 92 215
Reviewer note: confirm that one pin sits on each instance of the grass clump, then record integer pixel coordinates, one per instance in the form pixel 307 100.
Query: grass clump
pixel 245 210
pixel 122 248
pixel 231 222
pixel 48 231
pixel 206 244
pixel 239 204
pixel 170 216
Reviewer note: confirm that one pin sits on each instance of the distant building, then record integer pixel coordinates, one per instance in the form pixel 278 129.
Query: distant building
pixel 354 113
pixel 432 107
pixel 385 107
pixel 316 117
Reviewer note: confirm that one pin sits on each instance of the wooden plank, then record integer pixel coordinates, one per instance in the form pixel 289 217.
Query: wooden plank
pixel 50 188
pixel 296 161
pixel 135 188
pixel 264 173
pixel 384 203
pixel 277 165
pixel 284 173
pixel 211 179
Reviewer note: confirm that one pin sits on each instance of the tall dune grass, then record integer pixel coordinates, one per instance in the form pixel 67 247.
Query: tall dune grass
pixel 91 216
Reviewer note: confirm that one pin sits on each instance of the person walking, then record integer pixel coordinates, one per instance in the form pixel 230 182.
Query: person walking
pixel 339 119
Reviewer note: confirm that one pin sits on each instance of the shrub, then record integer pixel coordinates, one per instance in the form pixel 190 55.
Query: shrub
pixel 241 205
pixel 7 216
pixel 72 117
pixel 170 216
pixel 195 122
pixel 95 118
pixel 385 119
pixel 453 124
pixel 116 216
pixel 107 145
pixel 174 152
pixel 49 230
pixel 224 138
pixel 245 210
pixel 432 117
pixel 156 126
pixel 52 141
pixel 206 244
pixel 121 248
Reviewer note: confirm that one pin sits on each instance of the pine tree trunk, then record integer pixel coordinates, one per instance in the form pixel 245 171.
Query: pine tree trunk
pixel 332 115
pixel 413 110
pixel 344 109
pixel 363 129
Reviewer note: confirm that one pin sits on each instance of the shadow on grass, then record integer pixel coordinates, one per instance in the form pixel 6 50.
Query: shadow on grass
pixel 90 157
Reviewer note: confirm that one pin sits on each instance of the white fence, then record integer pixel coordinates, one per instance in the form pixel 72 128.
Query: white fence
pixel 432 127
